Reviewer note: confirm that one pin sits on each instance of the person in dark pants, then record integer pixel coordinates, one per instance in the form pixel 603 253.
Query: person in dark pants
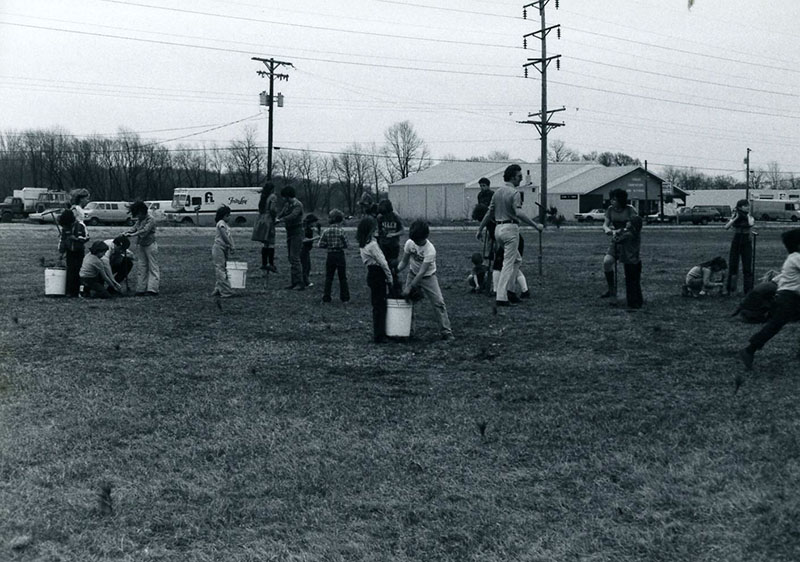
pixel 292 218
pixel 485 194
pixel 379 276
pixel 390 228
pixel 629 241
pixel 72 245
pixel 618 214
pixel 334 240
pixel 741 246
pixel 786 304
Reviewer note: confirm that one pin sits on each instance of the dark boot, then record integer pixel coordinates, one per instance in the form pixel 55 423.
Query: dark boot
pixel 264 257
pixel 611 292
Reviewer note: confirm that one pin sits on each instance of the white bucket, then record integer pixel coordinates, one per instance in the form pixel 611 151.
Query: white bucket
pixel 398 318
pixel 237 273
pixel 55 281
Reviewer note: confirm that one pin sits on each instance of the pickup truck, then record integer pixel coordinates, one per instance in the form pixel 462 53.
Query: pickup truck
pixel 698 215
pixel 12 208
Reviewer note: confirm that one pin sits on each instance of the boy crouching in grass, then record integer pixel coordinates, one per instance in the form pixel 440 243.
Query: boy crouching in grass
pixel 420 256
pixel 95 274
pixel 786 305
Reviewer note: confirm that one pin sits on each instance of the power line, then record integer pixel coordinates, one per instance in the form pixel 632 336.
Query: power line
pixel 306 26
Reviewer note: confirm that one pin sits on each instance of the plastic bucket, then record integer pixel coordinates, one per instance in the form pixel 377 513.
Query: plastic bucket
pixel 398 318
pixel 55 281
pixel 237 273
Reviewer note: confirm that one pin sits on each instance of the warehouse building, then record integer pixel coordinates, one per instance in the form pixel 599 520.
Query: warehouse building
pixel 449 190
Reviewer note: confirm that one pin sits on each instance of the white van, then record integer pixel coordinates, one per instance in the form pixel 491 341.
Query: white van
pixel 198 205
pixel 97 212
pixel 159 209
pixel 765 210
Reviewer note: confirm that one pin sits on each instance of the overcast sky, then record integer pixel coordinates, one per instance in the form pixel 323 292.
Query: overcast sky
pixel 651 78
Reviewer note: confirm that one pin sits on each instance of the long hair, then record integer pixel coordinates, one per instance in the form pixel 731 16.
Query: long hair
pixel 266 191
pixel 67 218
pixel 366 228
pixel 716 264
pixel 385 207
pixel 619 195
pixel 137 208
pixel 221 213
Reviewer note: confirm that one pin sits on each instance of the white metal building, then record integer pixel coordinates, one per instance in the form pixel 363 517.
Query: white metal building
pixel 449 190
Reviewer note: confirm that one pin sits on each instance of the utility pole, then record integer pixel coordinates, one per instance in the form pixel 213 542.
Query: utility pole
pixel 543 122
pixel 747 175
pixel 271 65
pixel 646 186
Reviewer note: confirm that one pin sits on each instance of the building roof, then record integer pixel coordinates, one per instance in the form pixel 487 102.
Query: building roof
pixel 454 173
pixel 562 177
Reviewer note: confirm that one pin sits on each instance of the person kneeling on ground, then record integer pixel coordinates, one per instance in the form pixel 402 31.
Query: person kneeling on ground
pixel 478 278
pixel 786 305
pixel 702 278
pixel 95 275
pixel 119 259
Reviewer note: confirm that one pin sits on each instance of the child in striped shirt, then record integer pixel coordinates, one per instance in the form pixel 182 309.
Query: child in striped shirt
pixel 379 276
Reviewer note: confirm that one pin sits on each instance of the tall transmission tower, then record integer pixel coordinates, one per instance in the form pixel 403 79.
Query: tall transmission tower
pixel 272 65
pixel 543 119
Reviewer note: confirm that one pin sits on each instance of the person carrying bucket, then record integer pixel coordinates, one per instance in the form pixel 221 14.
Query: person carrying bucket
pixel 220 252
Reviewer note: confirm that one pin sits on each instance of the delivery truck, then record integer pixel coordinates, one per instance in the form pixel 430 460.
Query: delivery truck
pixel 198 205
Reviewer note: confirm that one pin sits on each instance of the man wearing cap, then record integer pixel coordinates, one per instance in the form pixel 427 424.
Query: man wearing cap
pixel 504 211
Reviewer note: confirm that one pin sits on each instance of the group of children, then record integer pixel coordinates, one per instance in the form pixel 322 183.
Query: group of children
pixel 379 245
pixel 99 273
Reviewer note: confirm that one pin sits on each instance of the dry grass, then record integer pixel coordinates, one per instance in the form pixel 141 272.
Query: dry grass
pixel 274 430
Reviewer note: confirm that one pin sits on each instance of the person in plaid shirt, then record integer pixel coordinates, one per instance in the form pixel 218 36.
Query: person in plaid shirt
pixel 334 240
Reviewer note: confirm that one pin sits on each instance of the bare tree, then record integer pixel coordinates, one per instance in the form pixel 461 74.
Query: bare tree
pixel 247 159
pixel 323 177
pixel 406 152
pixel 560 152
pixel 284 163
pixel 493 156
pixel 310 189
pixel 350 167
pixel 773 174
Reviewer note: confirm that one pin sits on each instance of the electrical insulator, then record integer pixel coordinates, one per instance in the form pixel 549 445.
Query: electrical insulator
pixel 262 98
pixel 524 42
pixel 558 32
pixel 558 64
pixel 556 4
pixel 524 14
pixel 526 72
pixel 280 99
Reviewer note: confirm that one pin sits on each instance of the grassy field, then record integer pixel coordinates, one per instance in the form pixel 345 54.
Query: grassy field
pixel 273 429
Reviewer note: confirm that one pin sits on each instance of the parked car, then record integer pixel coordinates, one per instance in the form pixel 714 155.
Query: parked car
pixel 593 215
pixel 108 212
pixel 660 218
pixel 723 210
pixel 50 215
pixel 699 214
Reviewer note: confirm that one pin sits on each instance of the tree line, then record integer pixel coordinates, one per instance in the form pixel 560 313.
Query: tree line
pixel 126 167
